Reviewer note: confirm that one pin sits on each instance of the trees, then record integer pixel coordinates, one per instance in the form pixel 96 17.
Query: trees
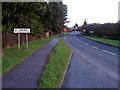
pixel 38 16
pixel 106 30
pixel 58 13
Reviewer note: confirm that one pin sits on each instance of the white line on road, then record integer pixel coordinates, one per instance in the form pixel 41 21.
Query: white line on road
pixel 82 41
pixel 87 44
pixel 74 37
pixel 109 52
pixel 94 47
pixel 77 39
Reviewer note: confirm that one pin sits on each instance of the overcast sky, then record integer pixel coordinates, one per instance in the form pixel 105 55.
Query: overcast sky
pixel 94 11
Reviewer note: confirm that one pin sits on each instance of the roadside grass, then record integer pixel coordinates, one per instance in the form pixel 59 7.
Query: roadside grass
pixel 54 70
pixel 13 56
pixel 106 41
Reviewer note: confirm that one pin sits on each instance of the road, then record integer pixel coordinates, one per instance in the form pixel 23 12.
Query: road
pixel 93 65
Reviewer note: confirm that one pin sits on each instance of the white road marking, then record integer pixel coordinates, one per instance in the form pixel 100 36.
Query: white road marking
pixel 109 52
pixel 94 47
pixel 77 39
pixel 82 41
pixel 87 44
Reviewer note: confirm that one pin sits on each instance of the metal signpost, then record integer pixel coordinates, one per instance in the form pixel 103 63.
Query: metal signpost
pixel 22 30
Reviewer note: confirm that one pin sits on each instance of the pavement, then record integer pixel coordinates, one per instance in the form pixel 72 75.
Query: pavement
pixel 27 73
pixel 93 65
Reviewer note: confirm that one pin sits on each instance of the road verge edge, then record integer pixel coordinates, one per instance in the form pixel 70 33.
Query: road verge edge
pixel 63 78
pixel 102 43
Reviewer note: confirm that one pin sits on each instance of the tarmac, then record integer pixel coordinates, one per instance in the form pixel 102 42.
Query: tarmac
pixel 27 74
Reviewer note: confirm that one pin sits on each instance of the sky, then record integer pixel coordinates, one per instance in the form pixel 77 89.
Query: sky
pixel 94 11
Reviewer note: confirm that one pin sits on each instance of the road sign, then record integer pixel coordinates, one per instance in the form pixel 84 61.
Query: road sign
pixel 21 30
pixel 91 31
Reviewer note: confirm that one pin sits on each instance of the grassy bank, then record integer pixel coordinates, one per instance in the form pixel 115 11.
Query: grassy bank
pixel 55 68
pixel 106 41
pixel 13 56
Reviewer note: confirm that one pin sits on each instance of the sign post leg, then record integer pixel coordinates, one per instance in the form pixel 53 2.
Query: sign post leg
pixel 26 40
pixel 19 41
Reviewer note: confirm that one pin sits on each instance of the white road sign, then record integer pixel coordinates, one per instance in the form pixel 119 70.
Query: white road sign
pixel 91 31
pixel 21 30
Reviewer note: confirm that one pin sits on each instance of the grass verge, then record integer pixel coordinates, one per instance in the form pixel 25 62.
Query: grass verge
pixel 13 56
pixel 54 70
pixel 106 41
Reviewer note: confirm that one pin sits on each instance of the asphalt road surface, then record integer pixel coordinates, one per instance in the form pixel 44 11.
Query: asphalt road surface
pixel 27 73
pixel 93 65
